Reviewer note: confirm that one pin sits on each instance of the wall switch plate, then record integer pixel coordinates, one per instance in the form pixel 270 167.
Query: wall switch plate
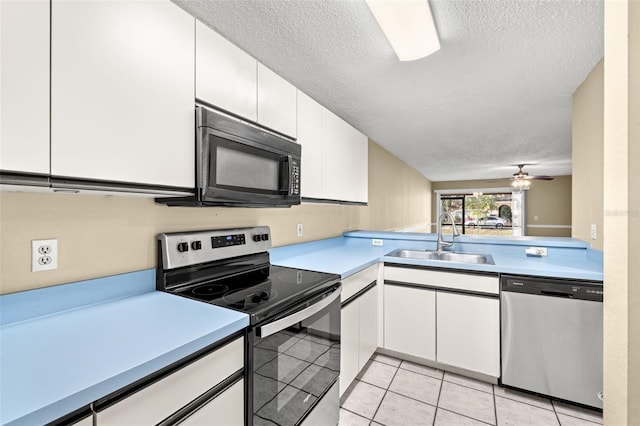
pixel 594 233
pixel 376 242
pixel 299 230
pixel 44 255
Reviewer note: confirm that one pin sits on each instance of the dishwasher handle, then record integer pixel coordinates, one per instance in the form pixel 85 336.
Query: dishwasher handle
pixel 556 294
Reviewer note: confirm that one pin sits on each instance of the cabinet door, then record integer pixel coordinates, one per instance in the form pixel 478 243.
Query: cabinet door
pixel 368 325
pixel 227 409
pixel 349 344
pixel 336 161
pixel 356 150
pixel 155 402
pixel 310 137
pixel 122 92
pixel 469 332
pixel 24 91
pixel 410 321
pixel 277 99
pixel 226 76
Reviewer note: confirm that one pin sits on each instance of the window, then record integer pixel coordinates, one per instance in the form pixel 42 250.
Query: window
pixel 494 211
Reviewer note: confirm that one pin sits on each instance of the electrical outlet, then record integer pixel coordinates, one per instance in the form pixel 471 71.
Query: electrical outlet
pixel 299 230
pixel 44 255
pixel 594 233
pixel 376 242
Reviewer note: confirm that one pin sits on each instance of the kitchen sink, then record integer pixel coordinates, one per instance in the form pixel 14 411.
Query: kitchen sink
pixel 446 256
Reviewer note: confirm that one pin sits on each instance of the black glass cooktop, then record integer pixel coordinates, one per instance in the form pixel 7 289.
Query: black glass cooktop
pixel 261 293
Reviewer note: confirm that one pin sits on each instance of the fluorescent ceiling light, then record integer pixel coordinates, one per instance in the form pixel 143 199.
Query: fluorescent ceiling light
pixel 408 25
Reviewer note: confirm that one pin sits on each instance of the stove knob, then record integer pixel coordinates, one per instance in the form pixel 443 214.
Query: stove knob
pixel 183 247
pixel 265 237
pixel 257 238
pixel 196 245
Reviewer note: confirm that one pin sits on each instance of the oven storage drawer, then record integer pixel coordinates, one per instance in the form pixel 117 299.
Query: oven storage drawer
pixel 159 400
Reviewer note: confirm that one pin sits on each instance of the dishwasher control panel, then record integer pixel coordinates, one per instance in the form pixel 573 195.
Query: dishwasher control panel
pixel 551 287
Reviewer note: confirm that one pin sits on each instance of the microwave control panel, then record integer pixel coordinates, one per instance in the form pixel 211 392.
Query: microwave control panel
pixel 295 178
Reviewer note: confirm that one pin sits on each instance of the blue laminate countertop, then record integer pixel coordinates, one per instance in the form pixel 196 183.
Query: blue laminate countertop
pixel 567 257
pixel 66 346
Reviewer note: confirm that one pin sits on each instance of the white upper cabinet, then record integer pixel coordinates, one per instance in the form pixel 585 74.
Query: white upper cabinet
pixel 345 160
pixel 122 106
pixel 277 102
pixel 24 93
pixel 310 137
pixel 230 79
pixel 357 151
pixel 226 76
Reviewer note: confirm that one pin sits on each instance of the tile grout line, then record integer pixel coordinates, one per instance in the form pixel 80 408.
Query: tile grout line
pixel 495 407
pixel 465 416
pixel 354 413
pixel 438 401
pixel 385 394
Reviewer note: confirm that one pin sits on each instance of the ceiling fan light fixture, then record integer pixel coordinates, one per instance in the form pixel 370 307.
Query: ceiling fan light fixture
pixel 521 183
pixel 408 25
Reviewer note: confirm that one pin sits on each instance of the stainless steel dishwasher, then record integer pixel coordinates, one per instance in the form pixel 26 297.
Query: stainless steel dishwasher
pixel 552 337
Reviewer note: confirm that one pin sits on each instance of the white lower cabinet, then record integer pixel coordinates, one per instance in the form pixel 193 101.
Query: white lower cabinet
pixel 446 317
pixel 358 323
pixel 226 409
pixel 156 402
pixel 349 344
pixel 410 321
pixel 368 304
pixel 468 332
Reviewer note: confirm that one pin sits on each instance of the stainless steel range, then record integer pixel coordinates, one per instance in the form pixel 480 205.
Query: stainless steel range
pixel 293 344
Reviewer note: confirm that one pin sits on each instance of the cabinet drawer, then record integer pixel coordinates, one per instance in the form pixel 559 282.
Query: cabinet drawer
pixel 157 401
pixel 452 280
pixel 227 409
pixel 356 282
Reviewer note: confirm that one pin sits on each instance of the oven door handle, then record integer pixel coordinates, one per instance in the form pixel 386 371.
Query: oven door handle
pixel 279 325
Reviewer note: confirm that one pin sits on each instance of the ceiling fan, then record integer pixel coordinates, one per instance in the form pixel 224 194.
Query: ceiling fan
pixel 521 179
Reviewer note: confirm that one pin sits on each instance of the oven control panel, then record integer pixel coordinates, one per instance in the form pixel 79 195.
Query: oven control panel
pixel 190 248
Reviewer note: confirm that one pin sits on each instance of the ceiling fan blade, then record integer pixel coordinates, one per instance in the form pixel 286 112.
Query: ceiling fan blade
pixel 541 177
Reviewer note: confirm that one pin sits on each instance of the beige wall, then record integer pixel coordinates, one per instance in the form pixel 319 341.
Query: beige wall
pixel 587 152
pixel 403 196
pixel 622 213
pixel 549 201
pixel 103 235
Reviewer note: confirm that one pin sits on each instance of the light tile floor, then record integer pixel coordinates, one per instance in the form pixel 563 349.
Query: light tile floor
pixel 391 392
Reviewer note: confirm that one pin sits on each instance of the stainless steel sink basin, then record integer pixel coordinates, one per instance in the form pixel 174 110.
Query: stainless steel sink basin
pixel 446 256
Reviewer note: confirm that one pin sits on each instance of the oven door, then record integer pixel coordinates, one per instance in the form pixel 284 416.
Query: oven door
pixel 296 365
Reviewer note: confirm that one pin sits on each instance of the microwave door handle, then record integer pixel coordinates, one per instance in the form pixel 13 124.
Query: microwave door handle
pixel 286 175
pixel 279 325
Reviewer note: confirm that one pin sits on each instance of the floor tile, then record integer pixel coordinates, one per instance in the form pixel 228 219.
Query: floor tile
pixel 364 399
pixel 378 373
pixel 386 359
pixel 417 386
pixel 519 414
pixel 574 421
pixel 523 397
pixel 468 382
pixel 468 402
pixel 347 418
pixel 579 412
pixel 400 410
pixel 422 369
pixel 447 418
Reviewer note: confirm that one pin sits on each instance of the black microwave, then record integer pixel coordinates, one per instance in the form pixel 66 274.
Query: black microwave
pixel 241 164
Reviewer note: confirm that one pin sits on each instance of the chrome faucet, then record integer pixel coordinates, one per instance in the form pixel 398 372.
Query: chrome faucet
pixel 441 242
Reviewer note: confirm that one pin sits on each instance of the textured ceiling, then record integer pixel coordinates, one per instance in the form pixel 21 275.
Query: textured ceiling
pixel 497 93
